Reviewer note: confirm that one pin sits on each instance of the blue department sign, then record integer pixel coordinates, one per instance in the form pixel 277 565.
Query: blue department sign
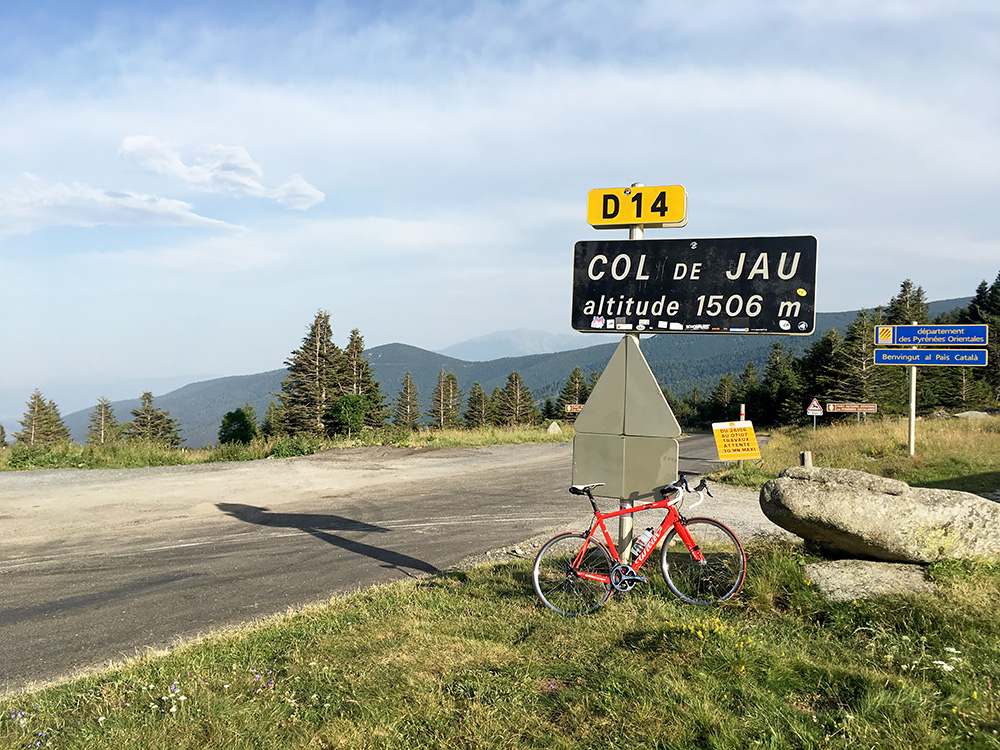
pixel 932 357
pixel 934 335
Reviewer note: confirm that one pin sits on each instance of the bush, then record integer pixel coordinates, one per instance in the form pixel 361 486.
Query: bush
pixel 301 444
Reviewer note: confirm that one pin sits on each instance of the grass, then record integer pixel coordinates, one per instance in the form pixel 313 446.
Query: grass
pixel 959 454
pixel 469 659
pixel 137 454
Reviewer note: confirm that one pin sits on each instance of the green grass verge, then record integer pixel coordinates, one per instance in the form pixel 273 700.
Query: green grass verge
pixel 471 660
pixel 956 454
pixel 138 454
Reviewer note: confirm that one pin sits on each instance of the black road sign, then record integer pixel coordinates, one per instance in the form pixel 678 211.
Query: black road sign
pixel 732 285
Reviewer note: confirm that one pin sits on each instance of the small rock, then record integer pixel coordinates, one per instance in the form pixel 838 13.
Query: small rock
pixel 847 580
pixel 554 429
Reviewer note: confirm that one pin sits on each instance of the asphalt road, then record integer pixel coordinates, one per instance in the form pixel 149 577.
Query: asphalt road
pixel 98 566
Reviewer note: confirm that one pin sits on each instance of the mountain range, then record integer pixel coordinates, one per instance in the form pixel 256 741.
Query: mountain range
pixel 679 361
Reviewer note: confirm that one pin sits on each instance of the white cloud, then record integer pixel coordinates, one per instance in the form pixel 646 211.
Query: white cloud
pixel 218 169
pixel 35 205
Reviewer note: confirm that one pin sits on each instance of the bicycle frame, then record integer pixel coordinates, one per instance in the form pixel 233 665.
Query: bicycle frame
pixel 673 520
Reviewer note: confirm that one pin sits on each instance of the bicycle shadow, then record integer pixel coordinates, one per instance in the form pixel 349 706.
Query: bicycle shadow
pixel 322 526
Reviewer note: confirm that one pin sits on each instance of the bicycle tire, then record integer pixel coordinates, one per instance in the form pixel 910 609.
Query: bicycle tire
pixel 555 581
pixel 719 578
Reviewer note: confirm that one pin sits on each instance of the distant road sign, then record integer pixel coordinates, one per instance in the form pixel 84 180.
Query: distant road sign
pixel 735 441
pixel 861 408
pixel 932 357
pixel 933 335
pixel 814 409
pixel 732 285
pixel 574 408
pixel 618 208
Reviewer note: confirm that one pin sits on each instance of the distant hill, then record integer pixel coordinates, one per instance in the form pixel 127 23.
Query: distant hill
pixel 679 361
pixel 517 343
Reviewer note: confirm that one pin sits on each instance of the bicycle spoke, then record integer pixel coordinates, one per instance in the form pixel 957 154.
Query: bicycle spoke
pixel 717 577
pixel 556 580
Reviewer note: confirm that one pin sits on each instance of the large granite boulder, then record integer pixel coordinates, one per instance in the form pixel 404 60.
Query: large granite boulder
pixel 867 516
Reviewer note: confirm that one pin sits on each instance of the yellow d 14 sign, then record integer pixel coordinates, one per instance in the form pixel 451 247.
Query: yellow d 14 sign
pixel 619 208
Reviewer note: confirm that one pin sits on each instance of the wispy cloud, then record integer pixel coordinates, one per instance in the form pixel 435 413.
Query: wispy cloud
pixel 218 169
pixel 35 204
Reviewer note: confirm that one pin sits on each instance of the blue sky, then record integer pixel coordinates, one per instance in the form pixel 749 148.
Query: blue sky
pixel 183 185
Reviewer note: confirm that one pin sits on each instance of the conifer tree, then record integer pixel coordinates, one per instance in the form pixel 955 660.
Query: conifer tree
pixel 41 423
pixel 478 410
pixel 517 405
pixel 495 398
pixel 445 409
pixel 783 402
pixel 3 437
pixel 153 424
pixel 272 421
pixel 406 410
pixel 575 391
pixel 861 380
pixel 237 427
pixel 749 390
pixel 358 380
pixel 314 379
pixel 103 426
pixel 722 399
pixel 819 372
pixel 908 306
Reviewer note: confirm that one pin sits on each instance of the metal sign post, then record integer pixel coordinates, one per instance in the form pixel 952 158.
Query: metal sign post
pixel 814 410
pixel 930 335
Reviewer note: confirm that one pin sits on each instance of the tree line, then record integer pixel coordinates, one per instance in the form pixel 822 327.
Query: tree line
pixel 840 368
pixel 331 391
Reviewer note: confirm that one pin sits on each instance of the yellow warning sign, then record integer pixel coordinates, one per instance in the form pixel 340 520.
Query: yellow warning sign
pixel 735 441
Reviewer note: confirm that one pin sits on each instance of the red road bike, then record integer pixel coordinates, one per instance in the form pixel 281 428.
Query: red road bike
pixel 701 559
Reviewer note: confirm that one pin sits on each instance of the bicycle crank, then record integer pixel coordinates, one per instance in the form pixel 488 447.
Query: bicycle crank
pixel 624 578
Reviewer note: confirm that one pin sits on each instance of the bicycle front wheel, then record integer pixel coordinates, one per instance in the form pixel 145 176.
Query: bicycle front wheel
pixel 562 585
pixel 718 577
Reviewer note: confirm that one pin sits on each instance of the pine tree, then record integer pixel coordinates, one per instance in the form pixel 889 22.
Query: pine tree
pixel 861 380
pixel 722 398
pixel 314 378
pixel 358 380
pixel 819 373
pixel 550 412
pixel 3 437
pixel 517 405
pixel 237 427
pixel 446 402
pixel 575 391
pixel 406 411
pixel 783 395
pixel 749 390
pixel 495 398
pixel 41 423
pixel 103 426
pixel 478 409
pixel 153 424
pixel 908 306
pixel 272 421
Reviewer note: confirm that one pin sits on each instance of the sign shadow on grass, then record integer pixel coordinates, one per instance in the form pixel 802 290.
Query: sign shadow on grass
pixel 321 526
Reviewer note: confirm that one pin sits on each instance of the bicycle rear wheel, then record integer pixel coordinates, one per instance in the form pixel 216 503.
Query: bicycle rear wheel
pixel 716 579
pixel 557 581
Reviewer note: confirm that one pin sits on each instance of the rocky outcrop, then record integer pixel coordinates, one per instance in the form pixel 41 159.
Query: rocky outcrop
pixel 863 515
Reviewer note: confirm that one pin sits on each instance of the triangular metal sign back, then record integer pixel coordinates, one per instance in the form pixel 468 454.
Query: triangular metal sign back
pixel 627 400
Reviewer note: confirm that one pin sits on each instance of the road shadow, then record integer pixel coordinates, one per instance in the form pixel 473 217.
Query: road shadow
pixel 321 526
